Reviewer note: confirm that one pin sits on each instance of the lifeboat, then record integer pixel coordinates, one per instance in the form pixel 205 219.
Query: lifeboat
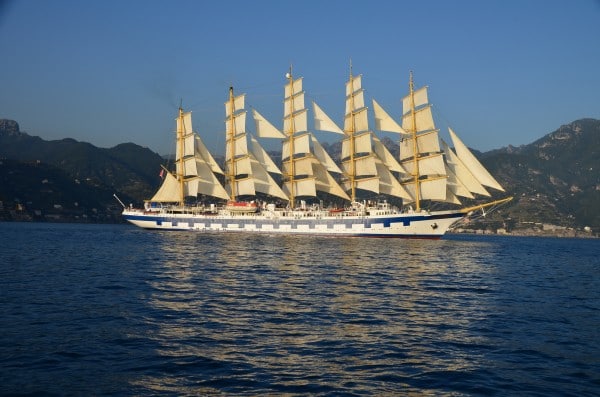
pixel 241 206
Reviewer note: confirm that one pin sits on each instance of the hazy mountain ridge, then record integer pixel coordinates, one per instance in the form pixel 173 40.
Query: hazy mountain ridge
pixel 554 179
pixel 127 168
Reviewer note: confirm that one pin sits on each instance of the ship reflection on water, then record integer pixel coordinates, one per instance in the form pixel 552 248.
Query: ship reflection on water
pixel 279 314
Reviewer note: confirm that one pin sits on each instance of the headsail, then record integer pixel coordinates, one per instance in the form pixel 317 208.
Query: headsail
pixel 478 170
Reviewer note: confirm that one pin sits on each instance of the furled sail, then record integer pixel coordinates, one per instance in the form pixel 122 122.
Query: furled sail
pixel 247 164
pixel 306 164
pixel 195 167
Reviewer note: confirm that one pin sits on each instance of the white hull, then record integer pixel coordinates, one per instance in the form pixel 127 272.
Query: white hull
pixel 407 225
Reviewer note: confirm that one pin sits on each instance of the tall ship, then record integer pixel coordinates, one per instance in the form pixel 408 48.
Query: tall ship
pixel 310 193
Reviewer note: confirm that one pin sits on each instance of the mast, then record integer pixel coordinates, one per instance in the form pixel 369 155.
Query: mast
pixel 352 175
pixel 231 142
pixel 414 135
pixel 290 133
pixel 180 169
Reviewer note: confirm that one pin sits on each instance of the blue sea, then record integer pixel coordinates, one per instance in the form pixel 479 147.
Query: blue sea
pixel 117 310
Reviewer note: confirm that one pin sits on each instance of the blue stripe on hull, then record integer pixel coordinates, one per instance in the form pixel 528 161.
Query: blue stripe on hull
pixel 293 224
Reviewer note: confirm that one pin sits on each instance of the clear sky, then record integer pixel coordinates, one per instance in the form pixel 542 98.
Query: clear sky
pixel 499 72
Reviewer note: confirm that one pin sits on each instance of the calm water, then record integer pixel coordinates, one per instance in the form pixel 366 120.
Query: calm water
pixel 116 310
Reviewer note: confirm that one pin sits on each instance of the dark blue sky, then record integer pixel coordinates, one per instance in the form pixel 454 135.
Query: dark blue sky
pixel 500 72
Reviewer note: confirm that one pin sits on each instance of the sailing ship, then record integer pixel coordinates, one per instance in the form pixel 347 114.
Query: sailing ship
pixel 254 195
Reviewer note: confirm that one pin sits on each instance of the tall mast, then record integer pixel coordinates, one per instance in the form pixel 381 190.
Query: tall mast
pixel 291 137
pixel 180 170
pixel 415 146
pixel 231 142
pixel 352 175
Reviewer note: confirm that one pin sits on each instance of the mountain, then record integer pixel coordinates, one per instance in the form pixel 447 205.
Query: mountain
pixel 39 191
pixel 128 170
pixel 555 180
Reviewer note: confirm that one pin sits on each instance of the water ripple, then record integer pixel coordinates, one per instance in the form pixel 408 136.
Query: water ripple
pixel 116 310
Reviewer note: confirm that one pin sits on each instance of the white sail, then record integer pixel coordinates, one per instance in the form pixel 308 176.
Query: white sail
pixel 303 166
pixel 362 144
pixel 356 102
pixel 451 196
pixel 263 157
pixel 258 181
pixel 367 163
pixel 264 129
pixel 247 163
pixel 323 122
pixel 236 147
pixel 195 167
pixel 370 184
pixel 238 103
pixel 305 187
pixel 325 183
pixel 208 184
pixel 356 121
pixel 353 85
pixel 185 146
pixel 471 162
pixel 386 157
pixel 356 118
pixel 324 157
pixel 306 164
pixel 168 191
pixel 239 123
pixel 388 184
pixel 384 122
pixel 430 189
pixel 428 165
pixel 456 186
pixel 421 99
pixel 245 187
pixel 241 166
pixel 203 152
pixel 464 176
pixel 293 103
pixel 264 183
pixel 423 120
pixel 360 166
pixel 427 142
pixel 297 123
pixel 296 88
pixel 301 145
